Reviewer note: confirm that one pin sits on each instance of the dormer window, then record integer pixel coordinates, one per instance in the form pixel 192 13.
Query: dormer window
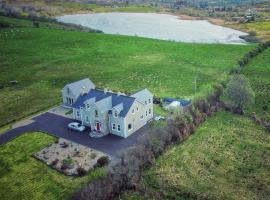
pixel 96 113
pixel 115 114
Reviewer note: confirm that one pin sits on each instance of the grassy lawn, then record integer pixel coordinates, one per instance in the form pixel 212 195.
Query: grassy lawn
pixel 258 72
pixel 44 60
pixel 24 177
pixel 227 158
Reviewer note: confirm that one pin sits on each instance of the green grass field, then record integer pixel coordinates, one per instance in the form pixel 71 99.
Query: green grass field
pixel 43 60
pixel 227 158
pixel 23 177
pixel 258 72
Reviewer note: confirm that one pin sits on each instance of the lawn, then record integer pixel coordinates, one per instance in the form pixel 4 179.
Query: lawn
pixel 227 158
pixel 43 60
pixel 24 177
pixel 258 72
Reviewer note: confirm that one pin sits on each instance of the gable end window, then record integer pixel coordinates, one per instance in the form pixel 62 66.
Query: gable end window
pixel 113 127
pixel 115 114
pixel 118 128
pixel 133 111
pixel 129 127
pixel 137 109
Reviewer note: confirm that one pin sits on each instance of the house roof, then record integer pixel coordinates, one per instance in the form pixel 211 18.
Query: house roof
pixel 100 97
pixel 142 95
pixel 84 85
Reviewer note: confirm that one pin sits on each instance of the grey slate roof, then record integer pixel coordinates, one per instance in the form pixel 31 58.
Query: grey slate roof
pixel 142 95
pixel 100 96
pixel 82 85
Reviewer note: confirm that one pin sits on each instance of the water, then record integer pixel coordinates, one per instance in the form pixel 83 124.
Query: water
pixel 158 26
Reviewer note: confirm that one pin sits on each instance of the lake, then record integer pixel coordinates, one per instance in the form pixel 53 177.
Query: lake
pixel 157 26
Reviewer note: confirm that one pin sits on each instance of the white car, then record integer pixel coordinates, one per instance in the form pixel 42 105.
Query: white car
pixel 76 126
pixel 157 118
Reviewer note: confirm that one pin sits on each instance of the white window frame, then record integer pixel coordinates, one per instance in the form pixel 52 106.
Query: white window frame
pixel 149 100
pixel 133 111
pixel 145 102
pixel 115 114
pixel 118 127
pixel 146 113
pixel 141 117
pixel 87 119
pixel 88 106
pixel 113 126
pixel 78 114
pixel 137 109
pixel 149 111
pixel 96 113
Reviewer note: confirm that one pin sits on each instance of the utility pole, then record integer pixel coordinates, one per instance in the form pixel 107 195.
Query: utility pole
pixel 195 85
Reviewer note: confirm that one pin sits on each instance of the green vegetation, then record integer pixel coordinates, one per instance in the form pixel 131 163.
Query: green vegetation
pixel 227 158
pixel 24 177
pixel 258 72
pixel 43 60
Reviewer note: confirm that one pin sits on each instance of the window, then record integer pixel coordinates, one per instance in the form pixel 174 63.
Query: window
pixel 149 100
pixel 118 127
pixel 87 119
pixel 137 109
pixel 78 113
pixel 141 116
pixel 113 126
pixel 87 106
pixel 133 111
pixel 96 113
pixel 129 126
pixel 149 111
pixel 145 102
pixel 115 114
pixel 146 113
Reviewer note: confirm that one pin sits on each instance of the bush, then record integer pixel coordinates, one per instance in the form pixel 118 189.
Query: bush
pixel 81 171
pixel 54 162
pixel 102 161
pixel 238 95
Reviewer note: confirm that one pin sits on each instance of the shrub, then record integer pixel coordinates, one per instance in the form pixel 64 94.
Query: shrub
pixel 81 171
pixel 102 161
pixel 54 162
pixel 238 95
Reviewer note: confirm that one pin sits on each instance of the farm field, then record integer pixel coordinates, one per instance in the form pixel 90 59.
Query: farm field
pixel 258 72
pixel 23 177
pixel 227 158
pixel 43 60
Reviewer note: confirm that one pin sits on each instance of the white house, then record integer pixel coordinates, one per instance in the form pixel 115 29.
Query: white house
pixel 107 112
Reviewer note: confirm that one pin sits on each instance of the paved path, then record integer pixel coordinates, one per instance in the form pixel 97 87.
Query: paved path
pixel 57 125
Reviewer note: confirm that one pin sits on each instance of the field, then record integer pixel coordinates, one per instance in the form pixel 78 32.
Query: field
pixel 24 177
pixel 227 158
pixel 43 60
pixel 258 72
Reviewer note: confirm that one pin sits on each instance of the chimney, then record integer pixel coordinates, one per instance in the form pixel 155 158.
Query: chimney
pixel 83 90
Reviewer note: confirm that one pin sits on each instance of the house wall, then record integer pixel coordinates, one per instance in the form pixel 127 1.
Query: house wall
pixel 66 95
pixel 102 118
pixel 117 121
pixel 135 118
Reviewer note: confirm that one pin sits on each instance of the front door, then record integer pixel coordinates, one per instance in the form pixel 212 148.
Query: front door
pixel 97 126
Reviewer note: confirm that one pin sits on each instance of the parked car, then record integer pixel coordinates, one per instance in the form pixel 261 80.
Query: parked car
pixel 158 118
pixel 76 126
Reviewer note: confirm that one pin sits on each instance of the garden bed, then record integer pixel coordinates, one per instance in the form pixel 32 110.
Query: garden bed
pixel 70 158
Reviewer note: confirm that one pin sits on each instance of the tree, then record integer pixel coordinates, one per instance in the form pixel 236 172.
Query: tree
pixel 238 94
